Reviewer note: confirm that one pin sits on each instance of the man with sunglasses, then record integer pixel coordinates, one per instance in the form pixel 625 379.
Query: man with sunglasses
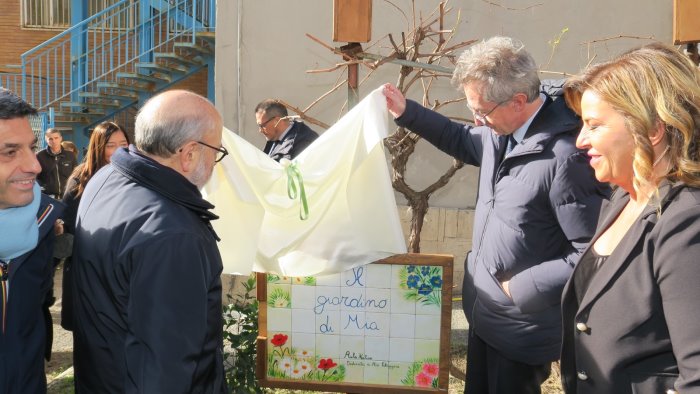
pixel 285 138
pixel 537 207
pixel 146 266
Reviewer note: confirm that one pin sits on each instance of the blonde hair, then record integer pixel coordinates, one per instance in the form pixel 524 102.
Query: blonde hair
pixel 650 85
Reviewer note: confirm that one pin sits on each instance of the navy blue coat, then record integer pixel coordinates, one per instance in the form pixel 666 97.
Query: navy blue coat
pixel 146 282
pixel 27 336
pixel 294 142
pixel 534 214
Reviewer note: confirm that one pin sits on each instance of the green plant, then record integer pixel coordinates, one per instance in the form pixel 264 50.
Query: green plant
pixel 240 337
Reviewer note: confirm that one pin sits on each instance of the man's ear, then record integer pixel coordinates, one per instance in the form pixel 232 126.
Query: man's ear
pixel 519 101
pixel 187 156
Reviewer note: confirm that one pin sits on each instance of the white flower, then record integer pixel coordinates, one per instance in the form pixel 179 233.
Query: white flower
pixel 304 367
pixel 286 365
pixel 297 373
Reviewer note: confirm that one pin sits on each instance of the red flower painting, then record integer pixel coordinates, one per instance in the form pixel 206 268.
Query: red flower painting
pixel 279 339
pixel 326 364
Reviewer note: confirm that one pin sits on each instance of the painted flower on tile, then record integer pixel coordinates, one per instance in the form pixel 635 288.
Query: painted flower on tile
pixel 422 373
pixel 296 373
pixel 279 298
pixel 303 353
pixel 279 339
pixel 329 371
pixel 431 369
pixel 274 278
pixel 326 364
pixel 424 380
pixel 425 289
pixel 304 366
pixel 422 283
pixel 286 365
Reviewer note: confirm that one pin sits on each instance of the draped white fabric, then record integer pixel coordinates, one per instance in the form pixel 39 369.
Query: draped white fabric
pixel 353 219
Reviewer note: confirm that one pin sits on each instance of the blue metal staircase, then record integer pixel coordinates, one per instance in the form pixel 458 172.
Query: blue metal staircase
pixel 116 59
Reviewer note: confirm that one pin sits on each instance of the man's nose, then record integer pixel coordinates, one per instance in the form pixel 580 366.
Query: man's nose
pixel 30 164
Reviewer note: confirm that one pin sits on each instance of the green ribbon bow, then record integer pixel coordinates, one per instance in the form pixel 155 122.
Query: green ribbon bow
pixel 293 179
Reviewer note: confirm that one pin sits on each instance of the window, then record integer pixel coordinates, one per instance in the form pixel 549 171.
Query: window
pixel 56 13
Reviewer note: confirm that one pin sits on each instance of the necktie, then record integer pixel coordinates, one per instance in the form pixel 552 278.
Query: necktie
pixel 511 144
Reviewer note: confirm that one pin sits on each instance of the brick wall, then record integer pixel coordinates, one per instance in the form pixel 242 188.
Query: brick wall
pixel 18 40
pixel 15 39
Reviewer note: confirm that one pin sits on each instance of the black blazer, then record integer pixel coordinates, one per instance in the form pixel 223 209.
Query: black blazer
pixel 637 329
pixel 293 143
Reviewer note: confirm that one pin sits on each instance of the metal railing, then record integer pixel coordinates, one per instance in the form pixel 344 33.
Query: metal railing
pixel 99 47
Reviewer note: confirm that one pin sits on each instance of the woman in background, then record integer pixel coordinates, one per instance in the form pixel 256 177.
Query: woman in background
pixel 70 146
pixel 631 321
pixel 106 138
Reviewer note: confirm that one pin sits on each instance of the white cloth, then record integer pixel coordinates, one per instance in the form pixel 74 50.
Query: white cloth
pixel 352 219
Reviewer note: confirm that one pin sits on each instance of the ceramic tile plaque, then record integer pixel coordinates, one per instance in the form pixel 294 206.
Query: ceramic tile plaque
pixel 383 325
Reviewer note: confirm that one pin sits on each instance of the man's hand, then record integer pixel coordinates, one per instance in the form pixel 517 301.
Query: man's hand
pixel 395 101
pixel 58 227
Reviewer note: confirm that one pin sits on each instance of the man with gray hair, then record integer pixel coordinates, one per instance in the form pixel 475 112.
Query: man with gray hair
pixel 537 207
pixel 146 265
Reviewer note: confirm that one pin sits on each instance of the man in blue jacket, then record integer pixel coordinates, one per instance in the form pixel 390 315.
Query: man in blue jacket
pixel 26 253
pixel 146 265
pixel 537 207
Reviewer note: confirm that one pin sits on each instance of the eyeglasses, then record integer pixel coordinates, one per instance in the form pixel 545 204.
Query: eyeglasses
pixel 480 116
pixel 263 124
pixel 219 156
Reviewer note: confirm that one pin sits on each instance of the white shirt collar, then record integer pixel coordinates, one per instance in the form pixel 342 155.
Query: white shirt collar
pixel 519 133
pixel 286 131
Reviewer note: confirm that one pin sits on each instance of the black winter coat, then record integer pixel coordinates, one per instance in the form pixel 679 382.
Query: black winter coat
pixel 55 171
pixel 636 328
pixel 294 142
pixel 147 286
pixel 28 332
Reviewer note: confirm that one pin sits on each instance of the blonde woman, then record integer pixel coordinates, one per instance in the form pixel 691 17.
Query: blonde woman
pixel 630 313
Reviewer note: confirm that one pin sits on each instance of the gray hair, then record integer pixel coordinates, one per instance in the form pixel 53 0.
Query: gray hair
pixel 503 64
pixel 162 131
pixel 12 106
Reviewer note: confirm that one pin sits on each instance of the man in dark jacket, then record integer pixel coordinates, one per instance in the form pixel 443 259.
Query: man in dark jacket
pixel 26 248
pixel 537 207
pixel 56 164
pixel 285 138
pixel 146 265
